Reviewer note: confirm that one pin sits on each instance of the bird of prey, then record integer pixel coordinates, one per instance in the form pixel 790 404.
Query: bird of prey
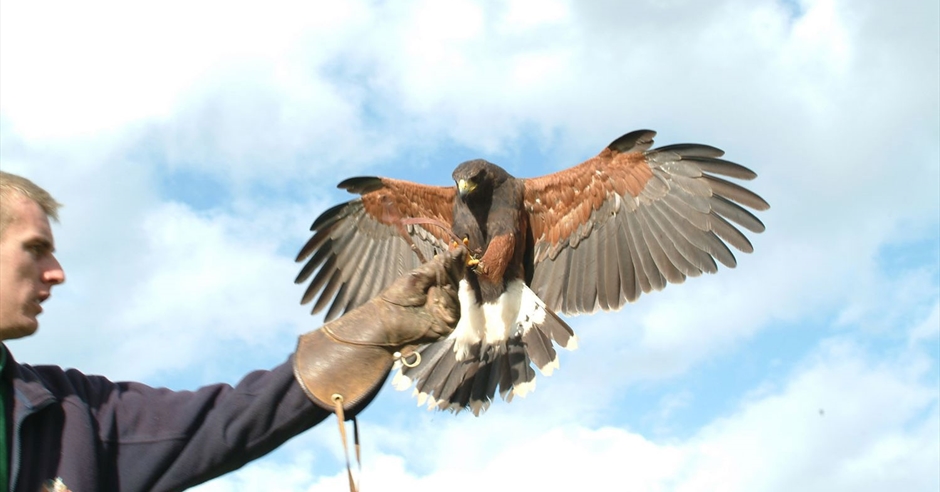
pixel 591 237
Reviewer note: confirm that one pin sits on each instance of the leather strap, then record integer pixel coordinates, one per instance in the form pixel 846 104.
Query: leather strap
pixel 340 415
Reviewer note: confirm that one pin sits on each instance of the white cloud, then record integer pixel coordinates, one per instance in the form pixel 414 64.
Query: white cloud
pixel 929 329
pixel 838 411
pixel 296 474
pixel 126 63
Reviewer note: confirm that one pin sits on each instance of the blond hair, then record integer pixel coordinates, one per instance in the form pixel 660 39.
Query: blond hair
pixel 11 184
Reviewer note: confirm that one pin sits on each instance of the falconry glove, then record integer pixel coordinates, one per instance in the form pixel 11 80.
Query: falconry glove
pixel 347 360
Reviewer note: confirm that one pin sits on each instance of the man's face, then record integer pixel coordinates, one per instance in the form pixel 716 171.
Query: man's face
pixel 28 269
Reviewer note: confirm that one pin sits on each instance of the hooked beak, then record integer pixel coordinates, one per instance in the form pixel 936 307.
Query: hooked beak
pixel 464 187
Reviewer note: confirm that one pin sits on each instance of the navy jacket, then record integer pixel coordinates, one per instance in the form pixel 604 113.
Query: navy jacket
pixel 99 435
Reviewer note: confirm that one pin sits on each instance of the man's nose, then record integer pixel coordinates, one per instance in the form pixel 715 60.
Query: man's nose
pixel 53 274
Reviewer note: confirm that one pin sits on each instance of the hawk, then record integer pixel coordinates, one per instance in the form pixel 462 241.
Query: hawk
pixel 588 238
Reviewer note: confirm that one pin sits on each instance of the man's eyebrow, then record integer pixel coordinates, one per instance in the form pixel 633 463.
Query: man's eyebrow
pixel 42 242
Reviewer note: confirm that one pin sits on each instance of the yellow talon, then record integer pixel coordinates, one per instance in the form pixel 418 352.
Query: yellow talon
pixel 472 262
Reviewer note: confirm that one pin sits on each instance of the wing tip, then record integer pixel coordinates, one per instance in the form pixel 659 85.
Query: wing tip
pixel 360 184
pixel 635 141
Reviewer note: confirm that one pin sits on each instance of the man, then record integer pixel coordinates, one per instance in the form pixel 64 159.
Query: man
pixel 87 433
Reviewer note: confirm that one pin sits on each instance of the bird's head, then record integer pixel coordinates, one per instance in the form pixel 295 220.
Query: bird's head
pixel 477 174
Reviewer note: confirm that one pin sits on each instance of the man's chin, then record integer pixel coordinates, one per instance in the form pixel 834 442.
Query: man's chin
pixel 24 328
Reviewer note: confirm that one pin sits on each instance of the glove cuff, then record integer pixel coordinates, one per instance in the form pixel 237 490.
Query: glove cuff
pixel 326 368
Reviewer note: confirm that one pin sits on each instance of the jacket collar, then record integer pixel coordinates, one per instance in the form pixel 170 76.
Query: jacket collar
pixel 28 387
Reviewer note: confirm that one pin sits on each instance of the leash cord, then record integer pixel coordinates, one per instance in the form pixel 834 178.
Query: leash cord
pixel 340 415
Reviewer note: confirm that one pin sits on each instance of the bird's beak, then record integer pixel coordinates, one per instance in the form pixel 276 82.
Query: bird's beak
pixel 464 187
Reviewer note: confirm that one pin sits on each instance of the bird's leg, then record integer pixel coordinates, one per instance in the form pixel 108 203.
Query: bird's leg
pixel 495 260
pixel 455 241
pixel 471 261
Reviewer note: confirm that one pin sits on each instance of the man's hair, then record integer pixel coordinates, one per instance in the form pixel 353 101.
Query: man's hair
pixel 11 185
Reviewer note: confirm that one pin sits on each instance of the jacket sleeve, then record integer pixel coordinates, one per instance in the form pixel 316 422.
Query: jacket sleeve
pixel 159 439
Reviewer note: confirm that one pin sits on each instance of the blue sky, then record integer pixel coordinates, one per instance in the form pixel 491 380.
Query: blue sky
pixel 194 143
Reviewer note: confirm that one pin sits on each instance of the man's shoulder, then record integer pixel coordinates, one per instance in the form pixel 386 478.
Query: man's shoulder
pixel 62 382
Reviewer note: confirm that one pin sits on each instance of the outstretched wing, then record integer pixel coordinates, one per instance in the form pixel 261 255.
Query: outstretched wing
pixel 358 248
pixel 631 219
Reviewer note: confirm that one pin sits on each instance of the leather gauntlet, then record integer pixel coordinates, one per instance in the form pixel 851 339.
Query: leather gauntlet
pixel 352 356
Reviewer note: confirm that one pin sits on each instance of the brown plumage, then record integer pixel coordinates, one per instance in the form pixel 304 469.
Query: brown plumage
pixel 591 237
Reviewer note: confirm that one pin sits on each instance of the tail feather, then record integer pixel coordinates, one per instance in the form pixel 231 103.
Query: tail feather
pixel 520 368
pixel 463 395
pixel 504 377
pixel 539 347
pixel 434 363
pixel 483 389
pixel 559 331
pixel 493 349
pixel 449 395
pixel 441 383
pixel 431 357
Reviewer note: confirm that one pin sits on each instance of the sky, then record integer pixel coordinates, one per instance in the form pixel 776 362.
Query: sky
pixel 193 144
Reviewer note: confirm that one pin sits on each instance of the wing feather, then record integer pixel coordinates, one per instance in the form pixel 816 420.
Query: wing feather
pixel 693 209
pixel 357 248
pixel 710 164
pixel 608 271
pixel 366 268
pixel 736 193
pixel 659 249
pixel 321 280
pixel 329 289
pixel 669 240
pixel 690 260
pixel 551 279
pixel 696 228
pixel 629 283
pixel 679 232
pixel 726 231
pixel 742 217
pixel 692 150
pixel 633 219
pixel 650 278
pixel 341 303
